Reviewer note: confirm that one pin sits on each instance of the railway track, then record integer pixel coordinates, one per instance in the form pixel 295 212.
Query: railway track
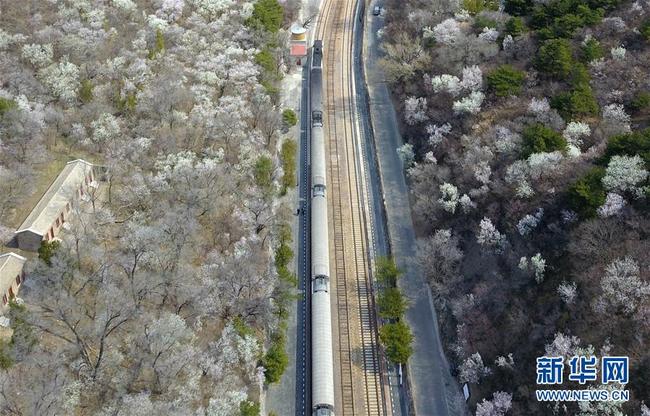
pixel 358 371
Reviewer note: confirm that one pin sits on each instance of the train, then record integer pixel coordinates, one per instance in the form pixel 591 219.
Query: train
pixel 322 362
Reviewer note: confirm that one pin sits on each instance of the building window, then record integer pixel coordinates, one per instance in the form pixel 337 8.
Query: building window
pixel 18 279
pixel 58 222
pixel 67 207
pixel 4 299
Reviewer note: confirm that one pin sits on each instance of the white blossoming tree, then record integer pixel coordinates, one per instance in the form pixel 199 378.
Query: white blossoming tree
pixel 472 370
pixel 447 32
pixel 470 104
pixel 623 289
pixel 449 197
pixel 624 174
pixel 499 405
pixel 415 110
pixel 488 236
pixel 567 292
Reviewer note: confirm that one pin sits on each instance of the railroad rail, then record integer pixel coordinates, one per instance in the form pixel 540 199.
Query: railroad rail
pixel 360 389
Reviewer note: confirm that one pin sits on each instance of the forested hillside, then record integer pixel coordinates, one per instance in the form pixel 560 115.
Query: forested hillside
pixel 168 292
pixel 527 154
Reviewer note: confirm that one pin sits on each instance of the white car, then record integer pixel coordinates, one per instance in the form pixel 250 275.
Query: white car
pixel 376 11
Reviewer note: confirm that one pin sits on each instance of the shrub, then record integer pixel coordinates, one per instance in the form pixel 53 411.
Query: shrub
pixel 481 22
pixel 275 360
pixel 267 15
pixel 538 138
pixel 640 102
pixel 289 117
pixel 397 339
pixel 47 250
pixel 636 143
pixel 265 59
pixel 391 303
pixel 86 91
pixel 591 50
pixel 475 7
pixel 587 194
pixel 518 7
pixel 506 80
pixel 387 272
pixel 288 156
pixel 249 408
pixel 6 105
pixel 580 101
pixel 515 26
pixel 263 172
pixel 554 58
pixel 645 29
pixel 5 355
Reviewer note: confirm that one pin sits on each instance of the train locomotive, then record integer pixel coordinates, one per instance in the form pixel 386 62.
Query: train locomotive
pixel 321 322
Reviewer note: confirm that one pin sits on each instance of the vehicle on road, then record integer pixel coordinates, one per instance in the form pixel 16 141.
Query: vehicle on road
pixel 376 11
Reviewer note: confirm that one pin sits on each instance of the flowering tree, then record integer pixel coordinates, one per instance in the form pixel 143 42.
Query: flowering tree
pixel 447 32
pixel 470 104
pixel 567 292
pixel 614 204
pixel 415 110
pixel 615 119
pixel 489 236
pixel 472 370
pixel 449 197
pixel 447 83
pixel 624 174
pixel 62 79
pixel 623 289
pixel 499 405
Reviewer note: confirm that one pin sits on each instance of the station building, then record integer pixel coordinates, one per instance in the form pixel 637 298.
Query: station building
pixel 50 213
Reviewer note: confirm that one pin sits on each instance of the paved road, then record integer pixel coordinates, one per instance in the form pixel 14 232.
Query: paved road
pixel 303 356
pixel 434 391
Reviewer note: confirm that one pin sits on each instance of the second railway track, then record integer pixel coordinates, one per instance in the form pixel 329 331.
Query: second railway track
pixel 358 362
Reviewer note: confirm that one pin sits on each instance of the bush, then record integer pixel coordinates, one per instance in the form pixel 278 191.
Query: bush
pixel 538 138
pixel 397 339
pixel 518 7
pixel 640 102
pixel 265 59
pixel 645 29
pixel 515 26
pixel 506 81
pixel 47 250
pixel 5 356
pixel 86 91
pixel 288 156
pixel 267 15
pixel 249 408
pixel 587 194
pixel 6 105
pixel 275 360
pixel 289 117
pixel 263 173
pixel 591 50
pixel 580 101
pixel 554 58
pixel 387 272
pixel 481 22
pixel 391 303
pixel 475 7
pixel 636 143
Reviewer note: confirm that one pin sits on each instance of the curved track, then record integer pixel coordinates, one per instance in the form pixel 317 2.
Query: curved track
pixel 359 390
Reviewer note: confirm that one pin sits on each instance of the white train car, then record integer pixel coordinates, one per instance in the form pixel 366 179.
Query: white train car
pixel 322 362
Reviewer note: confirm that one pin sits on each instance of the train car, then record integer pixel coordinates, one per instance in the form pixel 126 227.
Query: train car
pixel 322 362
pixel 318 166
pixel 320 259
pixel 316 87
pixel 321 320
